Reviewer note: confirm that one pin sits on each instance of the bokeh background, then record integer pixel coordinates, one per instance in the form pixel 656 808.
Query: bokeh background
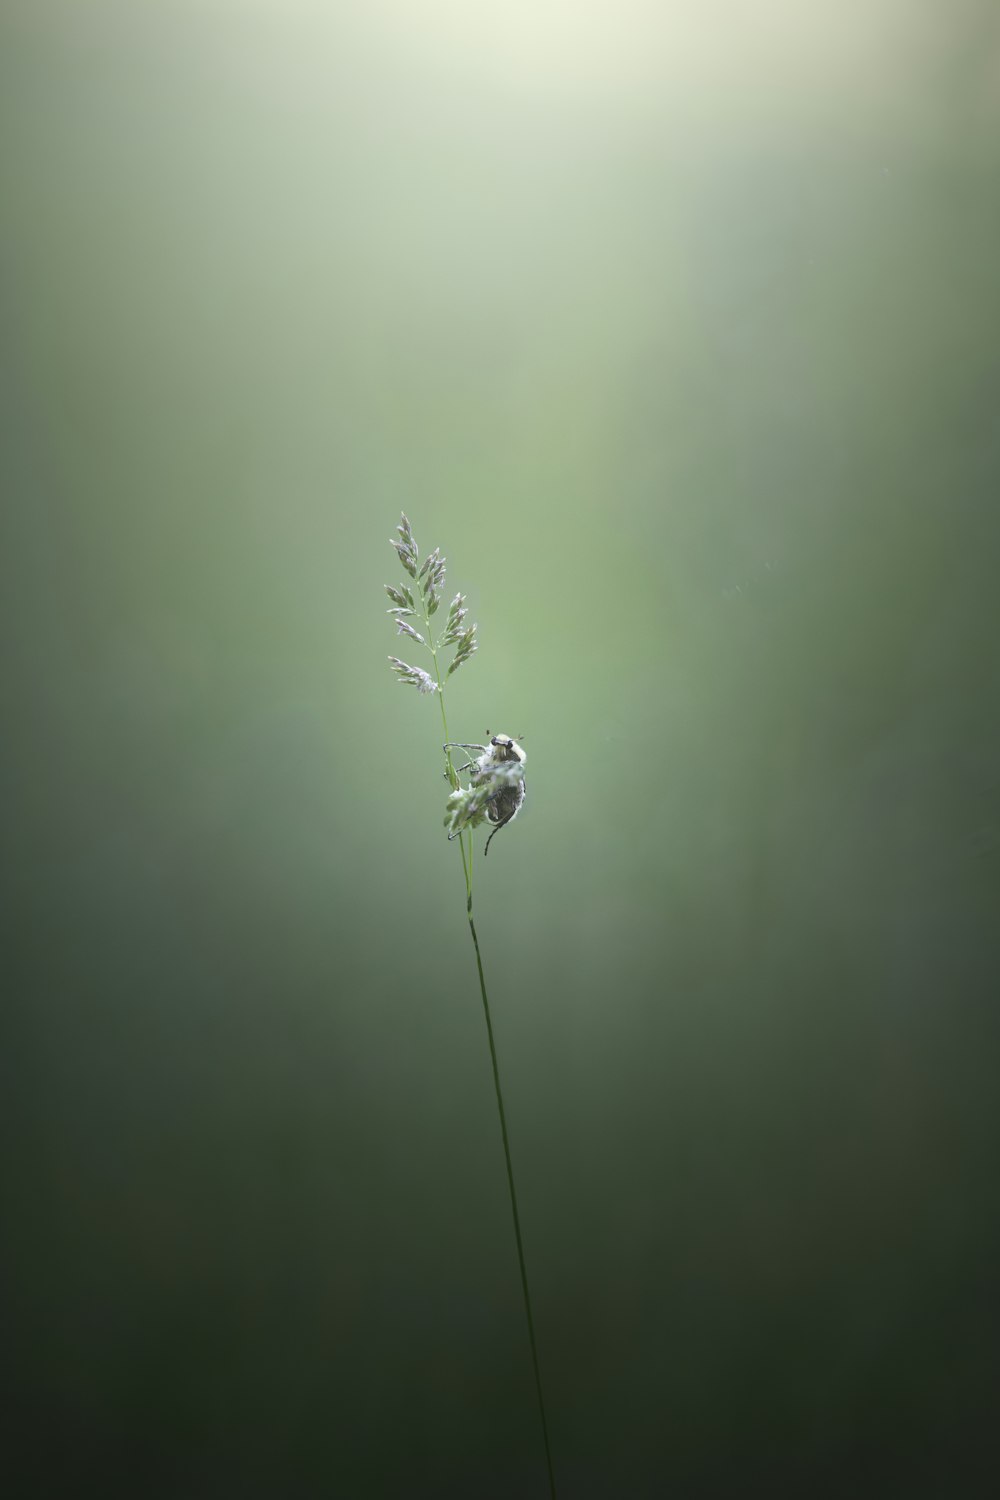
pixel 676 326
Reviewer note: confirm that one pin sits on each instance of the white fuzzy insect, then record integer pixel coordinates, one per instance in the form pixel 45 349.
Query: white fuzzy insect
pixel 500 765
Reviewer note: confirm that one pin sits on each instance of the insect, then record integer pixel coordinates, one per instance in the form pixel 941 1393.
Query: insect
pixel 506 802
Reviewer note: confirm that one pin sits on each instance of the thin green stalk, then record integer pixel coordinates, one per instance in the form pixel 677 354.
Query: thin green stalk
pixel 513 1206
pixel 467 868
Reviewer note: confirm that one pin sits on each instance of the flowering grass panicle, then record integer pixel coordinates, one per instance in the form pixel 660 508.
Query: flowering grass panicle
pixel 423 605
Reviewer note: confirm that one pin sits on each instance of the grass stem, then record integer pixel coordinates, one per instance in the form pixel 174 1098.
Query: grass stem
pixel 513 1205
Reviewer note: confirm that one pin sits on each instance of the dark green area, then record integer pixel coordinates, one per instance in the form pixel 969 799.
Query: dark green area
pixel 693 373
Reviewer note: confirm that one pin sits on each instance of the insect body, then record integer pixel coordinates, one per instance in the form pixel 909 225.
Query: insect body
pixel 500 768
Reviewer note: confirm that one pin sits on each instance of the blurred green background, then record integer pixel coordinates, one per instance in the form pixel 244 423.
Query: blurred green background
pixel 676 327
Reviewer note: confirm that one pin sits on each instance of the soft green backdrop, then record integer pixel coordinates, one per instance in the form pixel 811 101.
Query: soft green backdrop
pixel 676 327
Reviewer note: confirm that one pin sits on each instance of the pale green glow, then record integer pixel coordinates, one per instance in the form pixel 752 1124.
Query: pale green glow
pixel 677 325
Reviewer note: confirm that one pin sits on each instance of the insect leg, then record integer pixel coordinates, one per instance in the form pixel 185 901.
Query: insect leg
pixel 459 769
pixel 496 831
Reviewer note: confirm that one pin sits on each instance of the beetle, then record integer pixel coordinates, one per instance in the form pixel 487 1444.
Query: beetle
pixel 503 806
